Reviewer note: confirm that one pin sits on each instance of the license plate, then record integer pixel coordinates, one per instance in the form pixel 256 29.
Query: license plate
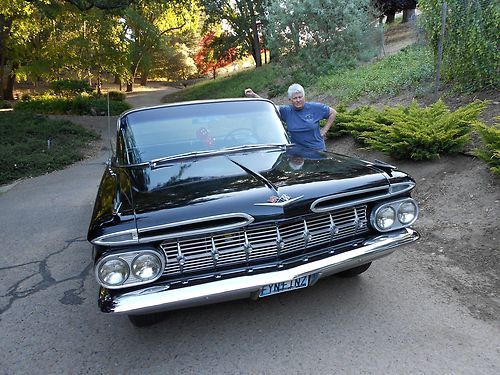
pixel 285 286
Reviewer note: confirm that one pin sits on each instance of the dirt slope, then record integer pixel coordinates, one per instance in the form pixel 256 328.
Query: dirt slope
pixel 460 205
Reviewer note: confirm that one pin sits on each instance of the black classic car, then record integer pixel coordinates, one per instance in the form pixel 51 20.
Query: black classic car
pixel 208 201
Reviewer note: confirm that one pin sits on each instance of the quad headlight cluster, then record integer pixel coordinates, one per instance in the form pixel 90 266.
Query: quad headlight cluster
pixel 129 268
pixel 394 215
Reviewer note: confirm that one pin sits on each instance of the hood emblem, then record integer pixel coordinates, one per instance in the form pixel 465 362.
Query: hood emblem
pixel 280 201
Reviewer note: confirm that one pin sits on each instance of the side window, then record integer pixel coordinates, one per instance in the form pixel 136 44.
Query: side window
pixel 121 157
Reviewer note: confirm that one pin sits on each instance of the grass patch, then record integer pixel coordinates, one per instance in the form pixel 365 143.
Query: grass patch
pixel 227 87
pixel 4 104
pixel 24 148
pixel 407 69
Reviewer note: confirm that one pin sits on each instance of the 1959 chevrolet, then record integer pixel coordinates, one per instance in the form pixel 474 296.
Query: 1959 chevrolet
pixel 208 201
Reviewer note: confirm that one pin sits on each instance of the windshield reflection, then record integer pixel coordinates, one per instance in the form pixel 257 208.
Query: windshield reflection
pixel 156 133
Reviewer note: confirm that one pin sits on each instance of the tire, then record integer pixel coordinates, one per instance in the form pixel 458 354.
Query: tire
pixel 145 320
pixel 355 271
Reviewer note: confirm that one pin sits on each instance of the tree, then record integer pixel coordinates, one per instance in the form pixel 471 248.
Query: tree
pixel 48 38
pixel 85 5
pixel 15 29
pixel 213 53
pixel 333 30
pixel 389 8
pixel 470 55
pixel 150 24
pixel 99 47
pixel 87 38
pixel 244 19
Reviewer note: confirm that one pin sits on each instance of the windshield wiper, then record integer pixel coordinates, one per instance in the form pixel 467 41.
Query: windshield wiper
pixel 280 146
pixel 188 155
pixel 196 154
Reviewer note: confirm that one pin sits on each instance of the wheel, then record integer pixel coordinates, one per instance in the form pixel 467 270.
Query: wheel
pixel 355 271
pixel 145 320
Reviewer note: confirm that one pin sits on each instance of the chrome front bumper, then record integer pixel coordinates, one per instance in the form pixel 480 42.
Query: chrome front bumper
pixel 161 298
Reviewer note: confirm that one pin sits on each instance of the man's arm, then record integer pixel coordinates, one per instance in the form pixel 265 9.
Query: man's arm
pixel 329 122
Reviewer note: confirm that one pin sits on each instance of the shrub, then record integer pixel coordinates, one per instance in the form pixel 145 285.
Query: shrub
pixel 357 121
pixel 413 132
pixel 70 87
pixel 490 152
pixel 26 97
pixel 78 106
pixel 117 95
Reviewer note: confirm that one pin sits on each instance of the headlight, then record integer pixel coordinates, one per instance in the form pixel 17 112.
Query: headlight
pixel 129 268
pixel 385 218
pixel 394 214
pixel 113 272
pixel 146 266
pixel 407 212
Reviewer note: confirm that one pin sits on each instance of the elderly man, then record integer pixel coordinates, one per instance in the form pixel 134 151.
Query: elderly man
pixel 302 118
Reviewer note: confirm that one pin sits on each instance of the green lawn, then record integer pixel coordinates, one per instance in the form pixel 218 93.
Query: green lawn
pixel 32 145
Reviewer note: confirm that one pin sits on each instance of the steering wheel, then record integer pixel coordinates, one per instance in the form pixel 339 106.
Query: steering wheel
pixel 234 137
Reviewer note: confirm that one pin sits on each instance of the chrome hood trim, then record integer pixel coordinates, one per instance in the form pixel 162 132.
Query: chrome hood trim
pixel 195 227
pixel 329 203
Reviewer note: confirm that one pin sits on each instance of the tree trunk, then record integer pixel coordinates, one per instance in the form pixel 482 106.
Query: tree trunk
pixel 130 81
pixel 408 15
pixel 390 17
pixel 5 26
pixel 99 85
pixel 118 81
pixel 2 82
pixel 255 36
pixel 9 87
pixel 144 79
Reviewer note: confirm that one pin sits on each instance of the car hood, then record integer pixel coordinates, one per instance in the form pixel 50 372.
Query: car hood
pixel 244 183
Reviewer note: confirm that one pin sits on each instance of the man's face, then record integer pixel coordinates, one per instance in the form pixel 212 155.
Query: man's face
pixel 297 100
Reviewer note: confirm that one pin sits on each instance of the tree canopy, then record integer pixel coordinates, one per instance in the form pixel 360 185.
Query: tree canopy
pixel 90 39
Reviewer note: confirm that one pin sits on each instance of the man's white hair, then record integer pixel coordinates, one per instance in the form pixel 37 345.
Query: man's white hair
pixel 294 89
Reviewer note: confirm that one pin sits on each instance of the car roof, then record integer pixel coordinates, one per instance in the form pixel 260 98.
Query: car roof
pixel 193 102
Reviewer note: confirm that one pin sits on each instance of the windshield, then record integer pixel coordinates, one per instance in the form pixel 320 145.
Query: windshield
pixel 156 133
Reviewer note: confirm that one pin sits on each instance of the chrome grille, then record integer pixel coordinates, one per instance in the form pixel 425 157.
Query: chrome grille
pixel 238 248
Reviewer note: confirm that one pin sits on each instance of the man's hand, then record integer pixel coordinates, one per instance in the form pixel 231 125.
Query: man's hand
pixel 329 122
pixel 250 94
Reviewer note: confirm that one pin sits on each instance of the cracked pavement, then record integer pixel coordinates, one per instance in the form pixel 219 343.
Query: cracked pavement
pixel 392 320
pixel 35 276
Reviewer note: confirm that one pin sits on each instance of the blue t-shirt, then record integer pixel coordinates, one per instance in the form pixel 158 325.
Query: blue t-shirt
pixel 303 124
